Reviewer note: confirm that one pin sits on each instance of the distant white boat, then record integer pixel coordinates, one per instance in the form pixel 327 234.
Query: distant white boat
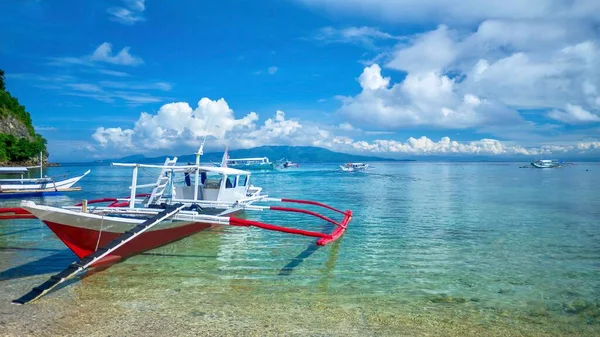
pixel 19 186
pixel 546 163
pixel 249 163
pixel 352 167
pixel 284 163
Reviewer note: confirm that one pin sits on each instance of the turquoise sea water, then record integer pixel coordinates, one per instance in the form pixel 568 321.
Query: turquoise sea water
pixel 433 248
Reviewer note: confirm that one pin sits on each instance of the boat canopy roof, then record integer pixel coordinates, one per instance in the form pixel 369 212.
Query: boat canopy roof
pixel 220 170
pixel 13 169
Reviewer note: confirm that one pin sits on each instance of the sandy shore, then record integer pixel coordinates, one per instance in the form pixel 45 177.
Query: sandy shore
pixel 105 304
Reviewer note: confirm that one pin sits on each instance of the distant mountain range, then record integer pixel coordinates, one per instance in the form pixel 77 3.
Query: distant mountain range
pixel 301 154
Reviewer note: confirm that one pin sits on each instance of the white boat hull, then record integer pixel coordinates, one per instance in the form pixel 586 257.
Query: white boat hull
pixel 44 186
pixel 354 168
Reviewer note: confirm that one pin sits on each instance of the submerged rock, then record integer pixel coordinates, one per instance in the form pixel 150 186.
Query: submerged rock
pixel 577 306
pixel 443 298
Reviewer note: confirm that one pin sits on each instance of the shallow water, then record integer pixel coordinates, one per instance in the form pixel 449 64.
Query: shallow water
pixel 433 248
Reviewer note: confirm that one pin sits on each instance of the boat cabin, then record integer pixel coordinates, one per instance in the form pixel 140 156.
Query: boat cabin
pixel 12 172
pixel 194 184
pixel 17 175
pixel 215 184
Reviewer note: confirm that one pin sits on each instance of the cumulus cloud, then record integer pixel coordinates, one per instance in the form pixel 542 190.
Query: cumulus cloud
pixel 118 136
pixel 130 14
pixel 430 51
pixel 422 99
pixel 424 146
pixel 177 126
pixel 461 79
pixel 177 123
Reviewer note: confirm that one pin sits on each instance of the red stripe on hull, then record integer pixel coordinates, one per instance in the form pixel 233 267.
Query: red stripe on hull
pixel 83 241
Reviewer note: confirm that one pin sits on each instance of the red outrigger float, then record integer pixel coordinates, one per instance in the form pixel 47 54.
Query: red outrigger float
pixel 206 196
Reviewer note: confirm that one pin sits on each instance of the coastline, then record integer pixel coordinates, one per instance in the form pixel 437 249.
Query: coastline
pixel 28 163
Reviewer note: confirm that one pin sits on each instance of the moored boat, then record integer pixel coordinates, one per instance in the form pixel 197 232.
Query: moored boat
pixel 352 167
pixel 262 163
pixel 546 163
pixel 18 186
pixel 287 164
pixel 184 200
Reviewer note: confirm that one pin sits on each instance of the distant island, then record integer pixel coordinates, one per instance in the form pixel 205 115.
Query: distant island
pixel 301 154
pixel 20 145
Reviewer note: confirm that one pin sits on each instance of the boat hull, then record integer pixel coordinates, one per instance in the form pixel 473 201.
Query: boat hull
pixel 544 165
pixel 84 233
pixel 32 188
pixel 84 241
pixel 253 167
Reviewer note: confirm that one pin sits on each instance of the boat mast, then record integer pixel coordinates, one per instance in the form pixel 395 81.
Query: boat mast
pixel 198 154
pixel 41 165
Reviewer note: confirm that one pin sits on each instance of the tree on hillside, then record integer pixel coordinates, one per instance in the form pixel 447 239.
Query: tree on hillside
pixel 12 148
pixel 2 87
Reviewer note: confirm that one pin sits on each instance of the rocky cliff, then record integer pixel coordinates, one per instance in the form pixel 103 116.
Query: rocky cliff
pixel 10 125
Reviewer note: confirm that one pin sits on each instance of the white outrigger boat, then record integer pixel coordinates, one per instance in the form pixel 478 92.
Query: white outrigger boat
pixel 262 163
pixel 173 210
pixel 20 186
pixel 352 167
pixel 546 163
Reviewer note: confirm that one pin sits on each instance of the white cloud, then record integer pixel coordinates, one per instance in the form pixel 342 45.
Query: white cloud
pixel 431 51
pixel 467 11
pixel 178 123
pixel 85 87
pixel 462 79
pixel 371 78
pixel 113 73
pixel 45 128
pixel 270 70
pixel 422 99
pixel 346 127
pixel 130 15
pixel 574 114
pixel 138 5
pixel 361 35
pixel 104 54
pixel 177 126
pixel 424 146
pixel 116 136
pixel 163 86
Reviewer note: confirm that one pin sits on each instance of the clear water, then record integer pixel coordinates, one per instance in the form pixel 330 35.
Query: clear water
pixel 433 248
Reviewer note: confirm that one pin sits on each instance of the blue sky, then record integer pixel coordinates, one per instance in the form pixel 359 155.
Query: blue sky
pixel 396 78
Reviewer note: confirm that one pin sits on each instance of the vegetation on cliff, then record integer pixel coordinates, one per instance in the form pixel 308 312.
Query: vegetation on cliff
pixel 17 146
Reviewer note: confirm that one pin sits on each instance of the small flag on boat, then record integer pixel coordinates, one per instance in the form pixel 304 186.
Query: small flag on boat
pixel 225 157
